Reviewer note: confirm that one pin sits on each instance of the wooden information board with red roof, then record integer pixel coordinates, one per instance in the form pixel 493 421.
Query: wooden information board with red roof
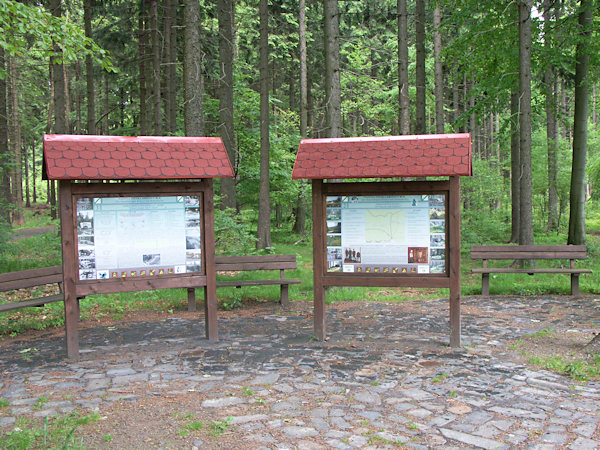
pixel 137 213
pixel 386 233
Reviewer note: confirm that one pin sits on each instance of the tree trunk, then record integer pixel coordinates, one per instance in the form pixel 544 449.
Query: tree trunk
pixel 156 67
pixel 403 95
pixel 16 174
pixel 552 143
pixel 303 69
pixel 300 209
pixel 144 119
pixel 27 180
pixel 89 71
pixel 264 210
pixel 33 173
pixel 333 94
pixel 60 106
pixel 439 75
pixel 4 149
pixel 170 74
pixel 105 121
pixel 582 60
pixel 526 213
pixel 420 123
pixel 193 85
pixel 226 55
pixel 78 100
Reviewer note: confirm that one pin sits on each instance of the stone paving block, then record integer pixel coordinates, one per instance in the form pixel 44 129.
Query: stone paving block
pixel 222 402
pixel 340 423
pixel 295 432
pixel 470 439
pixel 248 418
pixel 515 412
pixel 7 421
pixel 584 444
pixel 586 430
pixel 554 438
pixel 268 378
pixel 367 396
pixel 320 424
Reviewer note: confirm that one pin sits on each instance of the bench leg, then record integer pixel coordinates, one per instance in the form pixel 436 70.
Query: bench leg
pixel 575 284
pixel 285 298
pixel 191 299
pixel 485 284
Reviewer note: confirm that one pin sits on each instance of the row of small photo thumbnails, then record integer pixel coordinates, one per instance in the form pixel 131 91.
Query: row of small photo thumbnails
pixel 151 262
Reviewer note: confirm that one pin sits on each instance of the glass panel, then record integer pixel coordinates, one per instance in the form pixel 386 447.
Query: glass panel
pixel 130 237
pixel 394 234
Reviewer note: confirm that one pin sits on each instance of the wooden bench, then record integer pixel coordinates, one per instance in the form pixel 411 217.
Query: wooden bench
pixel 528 252
pixel 13 281
pixel 253 263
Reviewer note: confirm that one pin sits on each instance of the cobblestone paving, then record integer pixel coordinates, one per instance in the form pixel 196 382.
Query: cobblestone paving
pixel 385 367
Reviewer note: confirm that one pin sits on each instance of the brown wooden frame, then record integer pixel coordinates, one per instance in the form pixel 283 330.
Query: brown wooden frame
pixel 74 288
pixel 450 279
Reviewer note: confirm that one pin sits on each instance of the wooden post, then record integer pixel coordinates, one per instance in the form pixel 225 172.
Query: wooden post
pixel 191 297
pixel 284 297
pixel 70 269
pixel 454 254
pixel 318 258
pixel 210 290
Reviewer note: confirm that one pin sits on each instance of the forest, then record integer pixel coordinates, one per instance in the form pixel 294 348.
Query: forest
pixel 519 76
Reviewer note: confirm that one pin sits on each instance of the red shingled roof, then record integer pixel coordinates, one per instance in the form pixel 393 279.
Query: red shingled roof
pixel 380 157
pixel 82 157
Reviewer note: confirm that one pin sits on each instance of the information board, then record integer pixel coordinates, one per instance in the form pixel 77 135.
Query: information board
pixel 395 234
pixel 129 237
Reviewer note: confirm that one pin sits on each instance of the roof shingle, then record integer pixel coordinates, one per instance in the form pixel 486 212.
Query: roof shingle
pixel 82 157
pixel 384 157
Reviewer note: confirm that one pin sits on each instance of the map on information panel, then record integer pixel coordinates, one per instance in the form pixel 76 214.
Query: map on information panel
pixel 384 227
pixel 396 234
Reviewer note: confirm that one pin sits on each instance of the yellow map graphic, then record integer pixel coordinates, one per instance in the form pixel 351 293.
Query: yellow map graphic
pixel 384 226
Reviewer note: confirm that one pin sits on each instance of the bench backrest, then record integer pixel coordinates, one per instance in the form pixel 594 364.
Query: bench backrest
pixel 256 262
pixel 29 278
pixel 528 252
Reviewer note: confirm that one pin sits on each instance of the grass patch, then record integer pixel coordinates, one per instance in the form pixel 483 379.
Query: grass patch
pixel 562 352
pixel 53 432
pixel 219 427
pixel 580 370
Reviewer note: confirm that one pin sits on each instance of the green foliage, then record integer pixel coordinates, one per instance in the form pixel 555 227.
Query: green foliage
pixel 31 253
pixel 219 427
pixel 231 303
pixel 231 234
pixel 20 24
pixel 580 370
pixel 53 432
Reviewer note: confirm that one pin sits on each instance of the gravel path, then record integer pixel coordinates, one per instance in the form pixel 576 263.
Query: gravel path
pixel 385 376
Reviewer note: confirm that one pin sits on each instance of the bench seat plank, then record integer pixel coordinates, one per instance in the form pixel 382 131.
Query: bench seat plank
pixel 254 258
pixel 237 283
pixel 33 302
pixel 235 267
pixel 530 270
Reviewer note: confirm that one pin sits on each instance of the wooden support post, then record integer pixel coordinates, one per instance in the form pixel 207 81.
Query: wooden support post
pixel 70 270
pixel 575 284
pixel 210 290
pixel 284 298
pixel 485 284
pixel 191 297
pixel 454 254
pixel 318 258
